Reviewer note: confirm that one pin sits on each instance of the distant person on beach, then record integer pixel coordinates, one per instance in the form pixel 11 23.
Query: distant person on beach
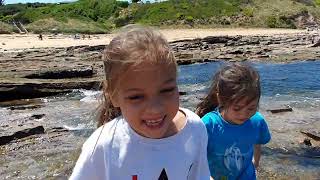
pixel 40 37
pixel 143 133
pixel 76 36
pixel 235 129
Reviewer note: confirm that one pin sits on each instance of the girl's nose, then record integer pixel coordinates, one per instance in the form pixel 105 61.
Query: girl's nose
pixel 155 105
pixel 247 114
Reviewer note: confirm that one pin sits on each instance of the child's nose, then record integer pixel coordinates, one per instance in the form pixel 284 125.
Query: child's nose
pixel 246 114
pixel 155 105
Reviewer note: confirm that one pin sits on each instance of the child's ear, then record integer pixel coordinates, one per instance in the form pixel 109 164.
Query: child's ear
pixel 114 100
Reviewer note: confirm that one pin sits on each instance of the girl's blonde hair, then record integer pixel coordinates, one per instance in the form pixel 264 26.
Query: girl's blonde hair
pixel 231 83
pixel 132 46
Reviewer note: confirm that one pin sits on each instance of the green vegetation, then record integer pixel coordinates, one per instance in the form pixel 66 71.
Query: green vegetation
pixel 100 16
pixel 5 28
pixel 67 26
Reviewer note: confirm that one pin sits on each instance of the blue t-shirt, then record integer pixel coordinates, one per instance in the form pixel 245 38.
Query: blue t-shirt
pixel 230 146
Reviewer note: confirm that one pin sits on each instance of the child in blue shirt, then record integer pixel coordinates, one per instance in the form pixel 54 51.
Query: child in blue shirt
pixel 235 129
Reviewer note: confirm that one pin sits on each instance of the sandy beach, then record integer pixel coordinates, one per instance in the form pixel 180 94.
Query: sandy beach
pixel 26 41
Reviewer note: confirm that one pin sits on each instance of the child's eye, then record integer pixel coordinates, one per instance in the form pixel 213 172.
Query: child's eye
pixel 168 90
pixel 135 97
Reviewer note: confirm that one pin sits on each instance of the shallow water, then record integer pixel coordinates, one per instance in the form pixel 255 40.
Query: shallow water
pixel 294 84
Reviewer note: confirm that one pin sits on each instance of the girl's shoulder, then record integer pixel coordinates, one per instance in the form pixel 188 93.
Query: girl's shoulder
pixel 258 120
pixel 190 114
pixel 102 136
pixel 193 119
pixel 212 117
pixel 257 117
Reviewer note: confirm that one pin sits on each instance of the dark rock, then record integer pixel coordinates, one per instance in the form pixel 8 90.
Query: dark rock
pixel 216 39
pixel 182 41
pixel 317 44
pixel 185 56
pixel 307 142
pixel 236 52
pixel 182 93
pixel 36 90
pixel 56 129
pixel 37 116
pixel 20 103
pixel 313 135
pixel 288 109
pixel 63 73
pixel 185 62
pixel 96 48
pixel 21 134
pixel 25 107
pixel 26 92
pixel 72 48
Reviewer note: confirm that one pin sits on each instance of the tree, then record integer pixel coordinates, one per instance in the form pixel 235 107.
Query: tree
pixel 134 1
pixel 1 2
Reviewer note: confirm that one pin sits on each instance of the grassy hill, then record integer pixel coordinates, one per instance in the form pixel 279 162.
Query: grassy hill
pixel 100 16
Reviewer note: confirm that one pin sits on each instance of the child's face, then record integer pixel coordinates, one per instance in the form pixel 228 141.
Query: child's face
pixel 148 98
pixel 240 111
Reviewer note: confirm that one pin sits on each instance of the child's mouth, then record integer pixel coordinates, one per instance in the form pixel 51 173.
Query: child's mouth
pixel 154 123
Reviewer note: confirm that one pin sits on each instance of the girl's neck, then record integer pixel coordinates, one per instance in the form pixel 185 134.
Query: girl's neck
pixel 178 123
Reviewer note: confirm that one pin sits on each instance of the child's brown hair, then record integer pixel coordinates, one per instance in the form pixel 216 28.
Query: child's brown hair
pixel 231 83
pixel 136 44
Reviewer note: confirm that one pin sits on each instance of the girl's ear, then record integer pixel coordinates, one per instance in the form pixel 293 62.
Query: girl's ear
pixel 113 99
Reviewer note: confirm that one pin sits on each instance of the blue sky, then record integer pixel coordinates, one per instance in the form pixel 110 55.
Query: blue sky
pixel 44 1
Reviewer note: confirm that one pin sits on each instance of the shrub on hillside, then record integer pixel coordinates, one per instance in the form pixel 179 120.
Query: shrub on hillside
pixel 248 11
pixel 71 26
pixel 5 28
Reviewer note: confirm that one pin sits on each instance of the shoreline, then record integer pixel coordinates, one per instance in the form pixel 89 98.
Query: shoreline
pixel 12 42
pixel 24 72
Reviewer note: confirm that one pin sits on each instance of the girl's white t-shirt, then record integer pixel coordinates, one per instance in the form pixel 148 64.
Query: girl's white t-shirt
pixel 116 152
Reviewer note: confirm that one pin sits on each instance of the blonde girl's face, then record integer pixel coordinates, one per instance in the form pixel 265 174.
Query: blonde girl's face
pixel 149 99
pixel 240 111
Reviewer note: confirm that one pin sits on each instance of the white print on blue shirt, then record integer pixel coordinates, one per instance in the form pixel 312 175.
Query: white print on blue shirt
pixel 233 159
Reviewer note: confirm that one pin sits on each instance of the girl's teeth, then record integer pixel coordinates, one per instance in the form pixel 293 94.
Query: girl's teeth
pixel 153 122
